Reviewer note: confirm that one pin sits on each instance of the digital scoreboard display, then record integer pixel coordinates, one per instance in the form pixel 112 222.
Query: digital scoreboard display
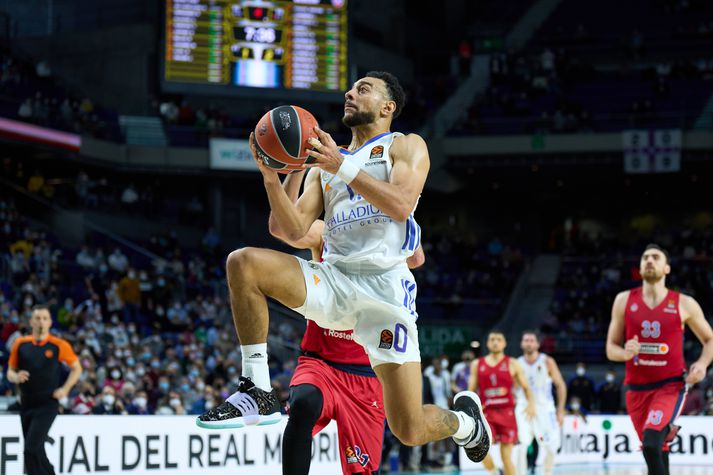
pixel 300 44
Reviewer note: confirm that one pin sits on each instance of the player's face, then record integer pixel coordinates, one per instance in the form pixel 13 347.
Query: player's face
pixel 41 321
pixel 529 344
pixel 654 266
pixel 363 101
pixel 496 343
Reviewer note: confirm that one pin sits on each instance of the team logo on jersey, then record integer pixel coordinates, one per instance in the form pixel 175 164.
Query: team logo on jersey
pixel 654 348
pixel 356 456
pixel 376 152
pixel 386 339
pixel 49 353
pixel 316 279
pixel 496 392
pixel 634 307
pixel 671 307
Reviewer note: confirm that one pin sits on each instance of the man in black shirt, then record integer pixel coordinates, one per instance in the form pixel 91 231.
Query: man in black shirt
pixel 34 366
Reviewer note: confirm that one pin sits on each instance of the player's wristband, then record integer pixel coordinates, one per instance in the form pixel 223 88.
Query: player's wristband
pixel 347 171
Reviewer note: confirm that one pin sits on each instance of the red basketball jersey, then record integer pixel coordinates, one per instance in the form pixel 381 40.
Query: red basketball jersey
pixel 495 384
pixel 332 345
pixel 660 333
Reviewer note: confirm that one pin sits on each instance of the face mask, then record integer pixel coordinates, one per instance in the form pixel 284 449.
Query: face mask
pixel 175 402
pixel 185 388
pixel 15 320
pixel 140 402
pixel 155 364
pixel 131 275
pixel 209 405
pixel 232 370
pixel 140 371
pixel 146 355
pixel 28 302
pixel 610 378
pixel 575 406
pixel 581 371
pixel 164 386
pixel 115 374
pixel 200 386
pixel 108 399
pixel 130 361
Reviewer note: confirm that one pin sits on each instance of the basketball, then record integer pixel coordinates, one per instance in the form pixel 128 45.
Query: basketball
pixel 281 138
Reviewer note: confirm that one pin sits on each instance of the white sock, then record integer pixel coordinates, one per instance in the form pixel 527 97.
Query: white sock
pixel 255 365
pixel 494 471
pixel 466 426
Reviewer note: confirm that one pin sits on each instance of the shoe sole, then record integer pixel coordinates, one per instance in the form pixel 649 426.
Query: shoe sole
pixel 238 422
pixel 476 398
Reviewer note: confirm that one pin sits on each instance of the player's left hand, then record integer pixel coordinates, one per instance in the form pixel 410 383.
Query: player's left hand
pixel 59 393
pixel 325 153
pixel 696 373
pixel 530 411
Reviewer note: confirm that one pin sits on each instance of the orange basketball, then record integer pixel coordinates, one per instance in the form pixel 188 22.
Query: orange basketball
pixel 281 138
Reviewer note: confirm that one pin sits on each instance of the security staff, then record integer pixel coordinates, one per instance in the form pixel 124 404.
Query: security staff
pixel 35 366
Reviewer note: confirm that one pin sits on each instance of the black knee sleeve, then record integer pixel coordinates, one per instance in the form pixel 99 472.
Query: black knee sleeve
pixel 652 447
pixel 306 403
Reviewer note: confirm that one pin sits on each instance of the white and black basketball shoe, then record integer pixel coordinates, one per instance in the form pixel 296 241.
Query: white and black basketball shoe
pixel 478 444
pixel 248 406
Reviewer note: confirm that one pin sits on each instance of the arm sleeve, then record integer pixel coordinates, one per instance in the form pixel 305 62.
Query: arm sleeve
pixel 66 353
pixel 13 361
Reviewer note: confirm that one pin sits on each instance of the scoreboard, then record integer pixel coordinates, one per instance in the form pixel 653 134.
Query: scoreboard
pixel 298 45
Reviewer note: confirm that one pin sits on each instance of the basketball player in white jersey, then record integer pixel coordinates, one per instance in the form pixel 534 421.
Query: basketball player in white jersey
pixel 368 193
pixel 542 373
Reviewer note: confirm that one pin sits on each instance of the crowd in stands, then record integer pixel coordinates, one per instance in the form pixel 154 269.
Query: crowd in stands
pixel 155 338
pixel 30 93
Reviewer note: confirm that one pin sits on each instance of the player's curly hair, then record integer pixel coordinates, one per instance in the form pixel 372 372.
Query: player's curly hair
pixel 396 92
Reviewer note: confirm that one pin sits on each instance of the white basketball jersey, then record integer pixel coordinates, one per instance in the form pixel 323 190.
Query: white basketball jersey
pixel 539 380
pixel 357 232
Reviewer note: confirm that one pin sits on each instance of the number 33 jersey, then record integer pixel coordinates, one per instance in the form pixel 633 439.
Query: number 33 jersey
pixel 660 333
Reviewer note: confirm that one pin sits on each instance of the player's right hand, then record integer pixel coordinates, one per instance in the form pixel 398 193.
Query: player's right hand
pixel 632 347
pixel 268 174
pixel 22 376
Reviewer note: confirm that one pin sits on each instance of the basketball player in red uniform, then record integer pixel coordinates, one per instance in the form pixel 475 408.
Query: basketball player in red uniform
pixel 333 381
pixel 493 378
pixel 646 332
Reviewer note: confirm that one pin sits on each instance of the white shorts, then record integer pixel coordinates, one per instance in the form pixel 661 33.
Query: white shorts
pixel 379 307
pixel 543 428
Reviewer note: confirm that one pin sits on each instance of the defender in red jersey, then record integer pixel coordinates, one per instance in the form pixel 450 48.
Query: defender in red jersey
pixel 648 321
pixel 493 378
pixel 333 381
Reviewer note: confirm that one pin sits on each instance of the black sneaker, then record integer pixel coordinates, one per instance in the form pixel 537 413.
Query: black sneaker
pixel 248 406
pixel 469 403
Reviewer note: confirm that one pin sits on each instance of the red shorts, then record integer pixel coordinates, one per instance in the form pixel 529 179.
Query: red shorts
pixel 502 423
pixel 356 403
pixel 656 408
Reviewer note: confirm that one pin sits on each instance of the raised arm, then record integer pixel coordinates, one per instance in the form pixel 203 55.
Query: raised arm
pixel 696 321
pixel 293 219
pixel 616 349
pixel 397 197
pixel 560 388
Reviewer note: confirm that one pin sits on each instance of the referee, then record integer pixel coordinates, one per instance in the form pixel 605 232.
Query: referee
pixel 35 366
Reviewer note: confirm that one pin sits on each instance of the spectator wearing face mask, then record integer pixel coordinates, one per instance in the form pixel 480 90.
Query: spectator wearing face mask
pixel 171 404
pixel 610 395
pixel 108 403
pixel 205 403
pixel 575 408
pixel 582 387
pixel 139 405
pixel 115 378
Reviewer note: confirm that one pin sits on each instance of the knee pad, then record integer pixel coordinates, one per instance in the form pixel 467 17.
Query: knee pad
pixel 306 403
pixel 653 440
